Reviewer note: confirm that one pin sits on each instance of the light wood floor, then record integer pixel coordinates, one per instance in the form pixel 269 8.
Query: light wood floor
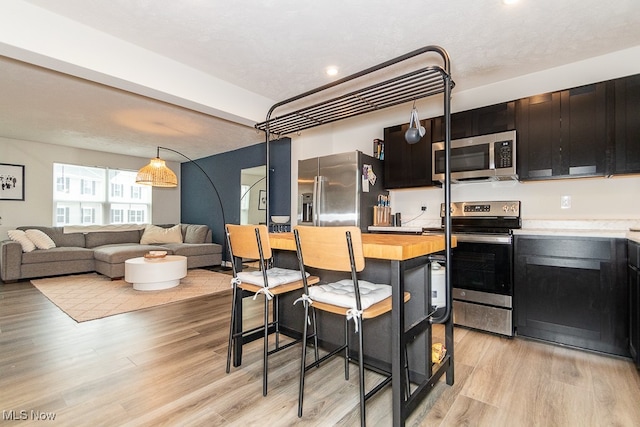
pixel 165 366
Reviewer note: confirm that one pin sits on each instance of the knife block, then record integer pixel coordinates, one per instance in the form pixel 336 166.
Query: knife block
pixel 381 215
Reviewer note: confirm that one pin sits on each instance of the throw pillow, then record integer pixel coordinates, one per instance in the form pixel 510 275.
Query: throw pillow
pixel 158 235
pixel 195 233
pixel 40 239
pixel 20 237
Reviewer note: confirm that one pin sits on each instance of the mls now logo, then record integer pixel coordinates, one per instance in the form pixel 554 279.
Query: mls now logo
pixel 15 415
pixel 23 415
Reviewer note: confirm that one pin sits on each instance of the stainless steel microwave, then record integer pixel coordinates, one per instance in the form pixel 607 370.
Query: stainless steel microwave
pixel 479 158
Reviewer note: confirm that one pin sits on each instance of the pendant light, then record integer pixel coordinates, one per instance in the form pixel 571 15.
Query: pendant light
pixel 157 174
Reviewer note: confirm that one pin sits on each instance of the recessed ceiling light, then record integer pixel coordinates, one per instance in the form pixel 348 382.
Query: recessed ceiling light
pixel 510 1
pixel 331 71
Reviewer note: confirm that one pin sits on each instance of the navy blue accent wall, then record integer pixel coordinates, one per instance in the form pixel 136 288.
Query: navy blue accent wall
pixel 280 178
pixel 199 203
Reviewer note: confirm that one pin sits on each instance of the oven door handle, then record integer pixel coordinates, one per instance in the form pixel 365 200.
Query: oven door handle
pixel 500 239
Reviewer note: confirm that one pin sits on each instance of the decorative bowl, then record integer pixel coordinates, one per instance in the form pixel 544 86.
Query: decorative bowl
pixel 280 219
pixel 155 255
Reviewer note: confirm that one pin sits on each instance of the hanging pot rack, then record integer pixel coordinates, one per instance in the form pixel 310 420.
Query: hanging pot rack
pixel 413 85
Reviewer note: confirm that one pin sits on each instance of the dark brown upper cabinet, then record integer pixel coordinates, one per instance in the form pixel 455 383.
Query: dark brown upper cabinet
pixel 627 125
pixel 586 131
pixel 538 135
pixel 479 121
pixel 565 134
pixel 407 165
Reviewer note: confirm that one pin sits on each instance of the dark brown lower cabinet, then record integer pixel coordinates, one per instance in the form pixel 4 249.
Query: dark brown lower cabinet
pixel 573 291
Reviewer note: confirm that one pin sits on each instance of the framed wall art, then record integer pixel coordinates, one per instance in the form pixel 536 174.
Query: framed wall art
pixel 11 182
pixel 262 200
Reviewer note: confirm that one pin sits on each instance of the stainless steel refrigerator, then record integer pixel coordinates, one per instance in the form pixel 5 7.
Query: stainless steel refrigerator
pixel 339 189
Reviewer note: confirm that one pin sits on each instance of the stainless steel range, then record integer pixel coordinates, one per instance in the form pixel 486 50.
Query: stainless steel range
pixel 482 264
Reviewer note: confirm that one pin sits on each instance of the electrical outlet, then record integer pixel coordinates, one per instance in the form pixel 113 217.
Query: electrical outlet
pixel 565 202
pixel 423 208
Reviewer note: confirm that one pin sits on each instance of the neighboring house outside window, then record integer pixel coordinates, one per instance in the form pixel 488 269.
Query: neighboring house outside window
pixel 92 195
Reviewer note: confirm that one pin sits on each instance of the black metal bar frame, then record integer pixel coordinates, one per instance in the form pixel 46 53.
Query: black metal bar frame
pixel 421 83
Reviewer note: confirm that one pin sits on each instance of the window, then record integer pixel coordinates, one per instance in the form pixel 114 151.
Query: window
pixel 91 195
pixel 136 216
pixel 136 192
pixel 62 215
pixel 117 216
pixel 88 187
pixel 62 184
pixel 116 190
pixel 88 216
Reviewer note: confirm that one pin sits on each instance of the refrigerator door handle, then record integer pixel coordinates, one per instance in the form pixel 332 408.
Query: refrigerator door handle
pixel 316 199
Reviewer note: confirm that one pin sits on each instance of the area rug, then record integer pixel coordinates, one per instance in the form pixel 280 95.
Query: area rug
pixel 93 296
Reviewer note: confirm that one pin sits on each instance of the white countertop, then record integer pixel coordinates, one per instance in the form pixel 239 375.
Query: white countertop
pixel 616 228
pixel 609 228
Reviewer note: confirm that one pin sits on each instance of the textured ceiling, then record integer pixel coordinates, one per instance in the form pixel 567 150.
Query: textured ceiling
pixel 279 48
pixel 43 106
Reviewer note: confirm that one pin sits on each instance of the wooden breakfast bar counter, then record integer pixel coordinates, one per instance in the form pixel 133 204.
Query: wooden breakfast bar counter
pixel 404 262
pixel 381 246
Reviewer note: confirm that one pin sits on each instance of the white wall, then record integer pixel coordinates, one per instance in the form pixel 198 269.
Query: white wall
pixel 38 159
pixel 593 198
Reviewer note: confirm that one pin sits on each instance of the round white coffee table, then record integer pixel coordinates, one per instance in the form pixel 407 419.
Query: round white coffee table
pixel 155 274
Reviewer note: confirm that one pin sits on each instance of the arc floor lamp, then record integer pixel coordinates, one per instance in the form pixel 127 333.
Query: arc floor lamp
pixel 158 174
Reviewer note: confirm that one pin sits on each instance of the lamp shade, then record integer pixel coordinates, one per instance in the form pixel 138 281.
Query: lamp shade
pixel 157 174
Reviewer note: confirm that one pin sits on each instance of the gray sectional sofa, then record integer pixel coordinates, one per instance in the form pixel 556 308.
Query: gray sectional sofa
pixel 101 251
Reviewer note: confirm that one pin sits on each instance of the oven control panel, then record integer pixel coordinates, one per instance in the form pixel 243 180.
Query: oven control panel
pixel 477 208
pixel 484 209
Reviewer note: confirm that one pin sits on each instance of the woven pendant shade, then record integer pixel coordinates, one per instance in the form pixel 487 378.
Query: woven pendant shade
pixel 157 174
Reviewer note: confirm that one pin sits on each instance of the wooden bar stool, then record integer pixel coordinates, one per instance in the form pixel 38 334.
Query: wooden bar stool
pixel 340 249
pixel 252 242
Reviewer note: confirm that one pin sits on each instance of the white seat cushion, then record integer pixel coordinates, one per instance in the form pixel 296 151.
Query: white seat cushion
pixel 342 293
pixel 275 276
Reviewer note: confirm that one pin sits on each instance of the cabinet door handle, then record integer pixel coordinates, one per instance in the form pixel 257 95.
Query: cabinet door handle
pixel 582 170
pixel 585 264
pixel 540 173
